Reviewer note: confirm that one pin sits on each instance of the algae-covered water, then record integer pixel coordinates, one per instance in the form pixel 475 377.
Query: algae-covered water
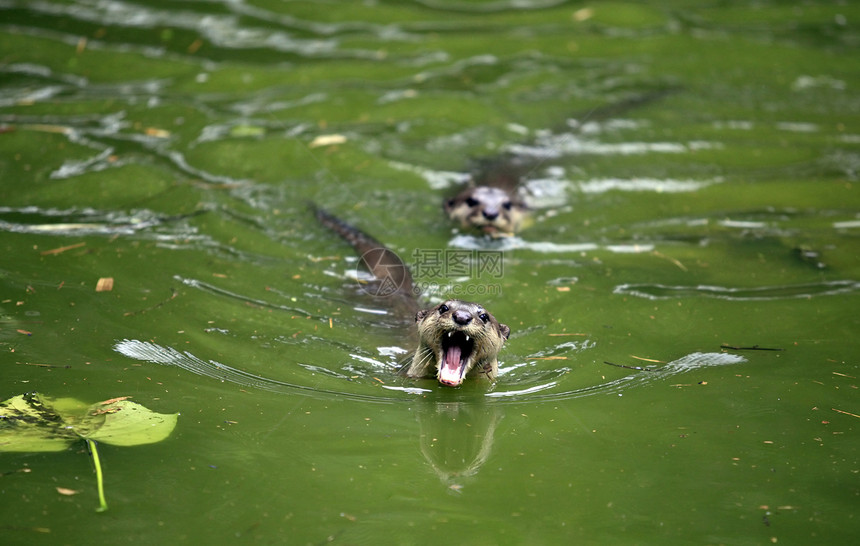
pixel 683 362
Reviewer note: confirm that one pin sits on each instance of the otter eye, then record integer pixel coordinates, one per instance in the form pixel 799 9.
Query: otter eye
pixel 485 317
pixel 471 201
pixel 443 309
pixel 506 205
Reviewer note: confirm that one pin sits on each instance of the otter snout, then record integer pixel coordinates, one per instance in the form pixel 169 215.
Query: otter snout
pixel 462 317
pixel 492 210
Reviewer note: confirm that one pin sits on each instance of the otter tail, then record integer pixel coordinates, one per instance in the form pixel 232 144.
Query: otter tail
pixel 382 262
pixel 360 241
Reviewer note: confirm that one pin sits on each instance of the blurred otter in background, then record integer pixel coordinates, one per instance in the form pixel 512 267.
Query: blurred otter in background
pixel 493 201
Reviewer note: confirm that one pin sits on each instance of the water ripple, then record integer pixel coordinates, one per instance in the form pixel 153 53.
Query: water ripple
pixel 151 352
pixel 797 291
pixel 157 354
pixel 78 222
pixel 226 31
pixel 684 364
pixel 218 291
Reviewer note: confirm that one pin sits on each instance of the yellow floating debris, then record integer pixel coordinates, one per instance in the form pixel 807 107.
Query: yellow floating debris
pixel 327 140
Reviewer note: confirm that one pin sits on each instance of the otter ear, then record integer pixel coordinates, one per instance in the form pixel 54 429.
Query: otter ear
pixel 421 314
pixel 504 330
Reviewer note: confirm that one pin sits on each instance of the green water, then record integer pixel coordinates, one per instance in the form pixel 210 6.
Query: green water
pixel 695 173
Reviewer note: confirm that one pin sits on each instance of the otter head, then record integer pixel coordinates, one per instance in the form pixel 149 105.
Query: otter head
pixel 455 338
pixel 492 210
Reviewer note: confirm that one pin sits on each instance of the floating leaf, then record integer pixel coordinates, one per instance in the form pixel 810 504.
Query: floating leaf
pixel 28 423
pixel 32 422
pixel 128 423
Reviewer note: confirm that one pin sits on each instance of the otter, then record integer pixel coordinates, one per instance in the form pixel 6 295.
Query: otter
pixel 492 210
pixel 456 339
pixel 459 339
pixel 491 203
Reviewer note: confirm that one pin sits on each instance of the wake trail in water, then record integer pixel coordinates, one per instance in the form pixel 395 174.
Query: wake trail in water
pixel 168 356
pixel 690 362
pixel 151 352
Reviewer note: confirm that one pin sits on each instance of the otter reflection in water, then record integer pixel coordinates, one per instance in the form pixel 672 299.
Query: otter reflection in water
pixel 456 339
pixel 457 437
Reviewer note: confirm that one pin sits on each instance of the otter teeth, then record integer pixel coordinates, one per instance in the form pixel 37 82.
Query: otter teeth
pixel 467 338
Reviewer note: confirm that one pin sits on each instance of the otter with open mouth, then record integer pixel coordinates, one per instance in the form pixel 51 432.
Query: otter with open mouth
pixel 456 339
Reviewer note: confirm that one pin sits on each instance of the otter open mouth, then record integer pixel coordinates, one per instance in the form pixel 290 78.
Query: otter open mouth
pixel 457 349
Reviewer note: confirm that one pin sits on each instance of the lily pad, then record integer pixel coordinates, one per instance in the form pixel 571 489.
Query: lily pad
pixel 26 424
pixel 33 422
pixel 127 423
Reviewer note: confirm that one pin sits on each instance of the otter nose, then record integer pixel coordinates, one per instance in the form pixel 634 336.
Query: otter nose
pixel 490 214
pixel 462 317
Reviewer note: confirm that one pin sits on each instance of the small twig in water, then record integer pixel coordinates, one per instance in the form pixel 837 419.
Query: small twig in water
pixel 681 266
pixel 173 294
pixel 47 365
pixel 548 358
pixel 753 348
pixel 638 368
pixel 647 359
pixel 845 412
pixel 60 250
